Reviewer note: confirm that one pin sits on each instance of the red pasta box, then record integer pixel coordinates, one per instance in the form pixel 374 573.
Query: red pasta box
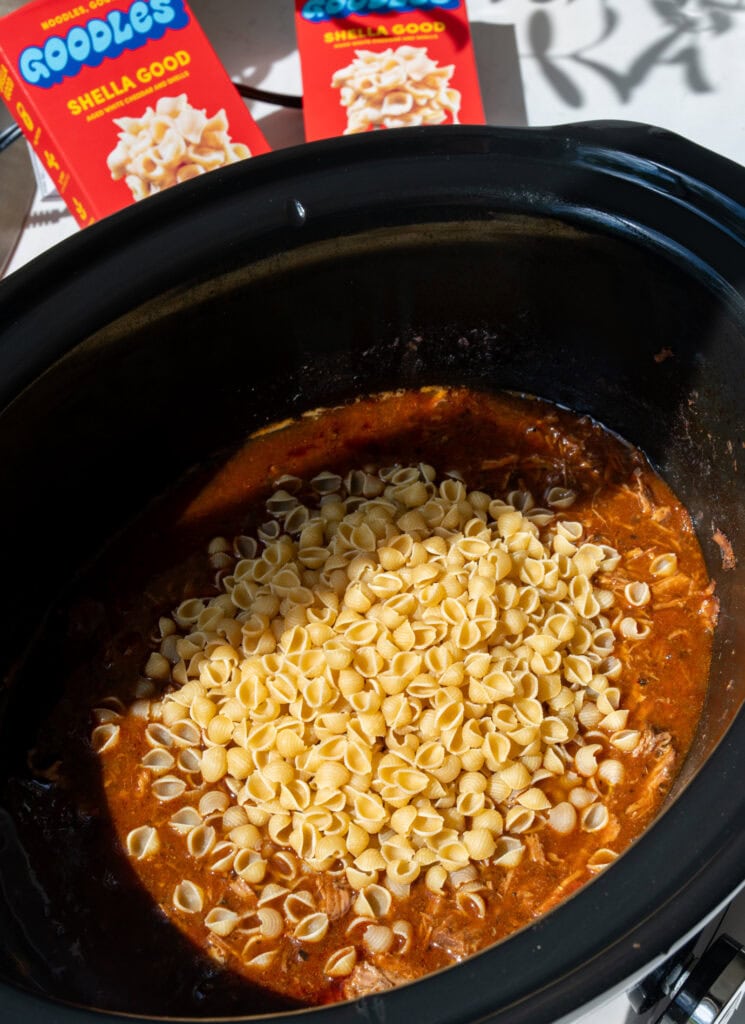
pixel 370 64
pixel 120 99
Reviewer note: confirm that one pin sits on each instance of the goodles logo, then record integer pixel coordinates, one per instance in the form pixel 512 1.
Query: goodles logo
pixel 324 10
pixel 87 45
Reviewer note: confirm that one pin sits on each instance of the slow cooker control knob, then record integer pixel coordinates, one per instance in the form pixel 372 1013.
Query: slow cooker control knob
pixel 709 991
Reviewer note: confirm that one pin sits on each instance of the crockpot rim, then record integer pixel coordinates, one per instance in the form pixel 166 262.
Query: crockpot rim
pixel 663 165
pixel 705 186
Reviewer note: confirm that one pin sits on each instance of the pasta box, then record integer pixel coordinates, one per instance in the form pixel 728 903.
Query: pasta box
pixel 120 100
pixel 372 64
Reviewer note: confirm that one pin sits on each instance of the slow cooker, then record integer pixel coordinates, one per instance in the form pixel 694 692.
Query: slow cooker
pixel 601 266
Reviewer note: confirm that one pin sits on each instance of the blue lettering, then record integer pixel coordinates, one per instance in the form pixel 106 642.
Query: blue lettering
pixel 32 66
pixel 139 15
pixel 163 12
pixel 55 54
pixel 79 44
pixel 101 35
pixel 123 33
pixel 88 44
pixel 324 10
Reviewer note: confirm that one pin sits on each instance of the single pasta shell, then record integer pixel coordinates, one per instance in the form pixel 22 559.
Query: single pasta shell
pixel 281 502
pixel 219 731
pixel 271 892
pixel 263 960
pixel 378 938
pixel 402 872
pixel 480 843
pixel 234 817
pixel 185 819
pixel 664 565
pixel 594 818
pixel 111 707
pixel 213 802
pixel 298 905
pixel 534 800
pixel 185 733
pixel 312 928
pixel 203 710
pixel 509 852
pixel 158 667
pixel 615 721
pixel 143 842
pixel 188 897
pixel 105 737
pixel 189 761
pixel 611 771
pixel 158 736
pixel 471 903
pixel 404 934
pixel 326 483
pixel 201 840
pixel 214 763
pixel 435 878
pixel 581 797
pixel 563 818
pixel 285 866
pixel 250 866
pixel 297 519
pixel 516 776
pixel 168 787
pixel 637 593
pixel 374 901
pixel 626 740
pixel 223 857
pixel 585 759
pixel 246 837
pixel 341 963
pixel 519 819
pixel 271 922
pixel 221 921
pixel 601 859
pixel 173 710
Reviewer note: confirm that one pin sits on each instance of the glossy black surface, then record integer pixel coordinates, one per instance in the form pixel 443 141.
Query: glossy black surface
pixel 601 266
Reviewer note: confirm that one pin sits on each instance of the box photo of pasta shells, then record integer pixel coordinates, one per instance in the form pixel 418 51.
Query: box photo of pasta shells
pixel 375 64
pixel 120 99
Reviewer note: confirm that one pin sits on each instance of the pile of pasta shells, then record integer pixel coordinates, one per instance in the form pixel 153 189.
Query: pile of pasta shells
pixel 398 679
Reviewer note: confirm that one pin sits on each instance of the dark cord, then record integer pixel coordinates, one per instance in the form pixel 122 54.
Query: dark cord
pixel 279 99
pixel 8 136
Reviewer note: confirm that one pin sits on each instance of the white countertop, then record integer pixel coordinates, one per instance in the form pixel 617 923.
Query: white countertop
pixel 679 64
